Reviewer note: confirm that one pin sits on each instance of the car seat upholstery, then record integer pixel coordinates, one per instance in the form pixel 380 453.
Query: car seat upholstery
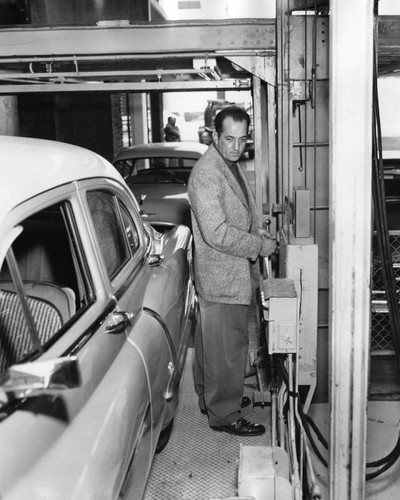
pixel 50 305
pixel 46 267
pixel 15 339
pixel 62 298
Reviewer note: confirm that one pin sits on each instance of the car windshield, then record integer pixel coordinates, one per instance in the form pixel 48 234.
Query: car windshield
pixel 156 170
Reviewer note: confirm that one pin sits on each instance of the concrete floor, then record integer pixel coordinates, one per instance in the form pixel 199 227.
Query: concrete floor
pixel 382 431
pixel 199 463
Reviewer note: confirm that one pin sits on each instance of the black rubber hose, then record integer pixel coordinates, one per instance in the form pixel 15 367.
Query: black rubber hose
pixel 381 225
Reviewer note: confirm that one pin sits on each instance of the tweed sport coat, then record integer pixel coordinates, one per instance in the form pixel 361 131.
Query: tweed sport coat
pixel 225 232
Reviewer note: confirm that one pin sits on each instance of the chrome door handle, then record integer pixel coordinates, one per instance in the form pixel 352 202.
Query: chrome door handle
pixel 119 321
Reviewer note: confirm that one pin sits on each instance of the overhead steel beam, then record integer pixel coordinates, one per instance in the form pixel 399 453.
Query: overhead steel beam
pixel 258 65
pixel 143 38
pixel 177 86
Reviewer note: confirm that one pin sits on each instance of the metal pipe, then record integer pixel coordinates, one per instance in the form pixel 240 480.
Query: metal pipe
pixel 292 433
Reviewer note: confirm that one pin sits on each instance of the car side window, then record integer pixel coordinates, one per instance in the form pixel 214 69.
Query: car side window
pixel 43 284
pixel 112 241
pixel 124 167
pixel 130 228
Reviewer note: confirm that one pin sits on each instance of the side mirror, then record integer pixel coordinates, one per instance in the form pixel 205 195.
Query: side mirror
pixel 40 377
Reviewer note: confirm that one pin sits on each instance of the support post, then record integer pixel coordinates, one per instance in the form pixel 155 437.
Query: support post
pixel 351 59
pixel 261 164
pixel 9 122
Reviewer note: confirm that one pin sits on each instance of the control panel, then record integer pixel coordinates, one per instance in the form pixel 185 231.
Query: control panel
pixel 280 313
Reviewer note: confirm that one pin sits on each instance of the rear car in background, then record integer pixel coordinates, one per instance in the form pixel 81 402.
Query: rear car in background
pixel 95 315
pixel 158 174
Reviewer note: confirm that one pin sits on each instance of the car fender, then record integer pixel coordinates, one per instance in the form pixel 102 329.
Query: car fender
pixel 130 387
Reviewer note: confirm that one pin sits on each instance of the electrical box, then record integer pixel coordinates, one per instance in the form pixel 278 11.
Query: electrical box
pixel 280 313
pixel 301 202
pixel 298 261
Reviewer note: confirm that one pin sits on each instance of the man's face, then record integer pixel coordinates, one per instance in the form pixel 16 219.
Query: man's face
pixel 232 140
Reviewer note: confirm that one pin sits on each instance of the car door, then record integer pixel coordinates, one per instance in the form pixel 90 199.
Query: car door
pixel 79 443
pixel 157 296
pixel 130 285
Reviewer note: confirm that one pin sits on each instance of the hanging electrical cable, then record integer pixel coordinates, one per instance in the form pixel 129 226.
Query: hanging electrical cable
pixel 384 463
pixel 385 252
pixel 381 225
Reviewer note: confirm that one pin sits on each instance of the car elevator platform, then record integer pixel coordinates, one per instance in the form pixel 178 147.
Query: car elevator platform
pixel 199 463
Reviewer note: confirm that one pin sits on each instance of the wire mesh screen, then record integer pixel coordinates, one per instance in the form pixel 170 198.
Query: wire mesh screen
pixel 381 332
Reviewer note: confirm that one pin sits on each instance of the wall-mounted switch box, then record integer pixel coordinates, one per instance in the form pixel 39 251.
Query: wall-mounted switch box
pixel 280 313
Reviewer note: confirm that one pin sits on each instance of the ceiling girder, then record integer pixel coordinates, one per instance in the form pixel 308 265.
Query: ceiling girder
pixel 154 57
pixel 261 66
pixel 208 36
pixel 78 86
pixel 131 58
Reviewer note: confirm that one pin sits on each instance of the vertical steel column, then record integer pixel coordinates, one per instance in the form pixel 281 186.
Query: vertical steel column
pixel 284 125
pixel 272 194
pixel 264 147
pixel 138 108
pixel 9 121
pixel 351 30
pixel 258 139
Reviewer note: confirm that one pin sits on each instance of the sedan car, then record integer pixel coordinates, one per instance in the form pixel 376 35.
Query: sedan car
pixel 157 174
pixel 96 310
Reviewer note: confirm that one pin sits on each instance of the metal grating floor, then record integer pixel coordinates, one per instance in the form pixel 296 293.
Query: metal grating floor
pixel 199 463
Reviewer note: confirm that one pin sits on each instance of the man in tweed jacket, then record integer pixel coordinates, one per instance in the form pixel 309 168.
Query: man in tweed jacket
pixel 227 243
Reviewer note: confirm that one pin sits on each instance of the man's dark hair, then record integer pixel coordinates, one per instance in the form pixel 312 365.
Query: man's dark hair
pixel 235 112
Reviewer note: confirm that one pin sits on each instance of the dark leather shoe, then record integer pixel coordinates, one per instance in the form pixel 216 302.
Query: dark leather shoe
pixel 241 428
pixel 245 402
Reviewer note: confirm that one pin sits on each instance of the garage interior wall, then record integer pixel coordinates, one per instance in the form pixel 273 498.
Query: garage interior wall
pixel 89 120
pixel 92 121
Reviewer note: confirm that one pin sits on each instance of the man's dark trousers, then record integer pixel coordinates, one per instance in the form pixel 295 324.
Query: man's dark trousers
pixel 221 350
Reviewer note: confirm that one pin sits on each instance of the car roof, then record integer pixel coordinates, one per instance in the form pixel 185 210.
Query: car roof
pixel 162 149
pixel 31 166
